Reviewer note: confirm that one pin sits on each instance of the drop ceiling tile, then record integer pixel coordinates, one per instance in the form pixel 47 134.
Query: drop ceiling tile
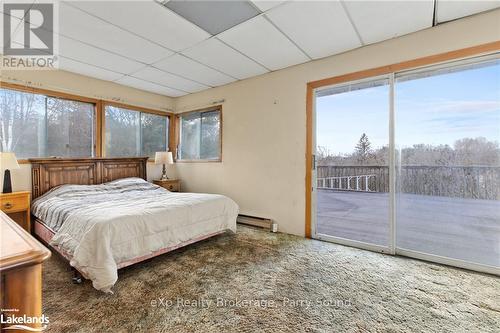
pixel 90 70
pixel 261 41
pixel 183 66
pixel 450 10
pixel 381 20
pixel 84 53
pixel 78 25
pixel 87 70
pixel 320 28
pixel 148 86
pixel 149 20
pixel 214 16
pixel 216 54
pixel 165 79
pixel 266 5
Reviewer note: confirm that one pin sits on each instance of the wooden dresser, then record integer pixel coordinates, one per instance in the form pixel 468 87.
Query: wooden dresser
pixel 21 258
pixel 17 206
pixel 173 185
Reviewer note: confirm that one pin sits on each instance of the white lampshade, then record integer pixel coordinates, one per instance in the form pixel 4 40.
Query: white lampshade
pixel 8 161
pixel 164 157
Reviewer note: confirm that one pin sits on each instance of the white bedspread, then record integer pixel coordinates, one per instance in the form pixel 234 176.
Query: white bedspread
pixel 101 228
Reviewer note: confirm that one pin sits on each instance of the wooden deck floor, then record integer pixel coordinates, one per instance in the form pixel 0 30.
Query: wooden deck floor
pixel 465 229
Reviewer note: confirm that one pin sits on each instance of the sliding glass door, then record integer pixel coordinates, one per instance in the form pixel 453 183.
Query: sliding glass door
pixel 352 163
pixel 409 163
pixel 448 134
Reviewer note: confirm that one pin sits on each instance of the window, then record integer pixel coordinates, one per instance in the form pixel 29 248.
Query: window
pixel 42 123
pixel 35 125
pixel 353 161
pixel 154 129
pixel 448 134
pixel 134 133
pixel 412 166
pixel 200 135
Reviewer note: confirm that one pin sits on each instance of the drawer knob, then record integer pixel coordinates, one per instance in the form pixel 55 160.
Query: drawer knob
pixel 8 205
pixel 171 187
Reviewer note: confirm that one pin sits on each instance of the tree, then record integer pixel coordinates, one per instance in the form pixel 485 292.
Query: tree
pixel 19 120
pixel 363 148
pixel 477 151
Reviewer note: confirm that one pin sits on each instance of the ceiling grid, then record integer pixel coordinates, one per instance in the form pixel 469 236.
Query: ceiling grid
pixel 166 47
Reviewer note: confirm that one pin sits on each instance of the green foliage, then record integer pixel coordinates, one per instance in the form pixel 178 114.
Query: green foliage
pixel 363 149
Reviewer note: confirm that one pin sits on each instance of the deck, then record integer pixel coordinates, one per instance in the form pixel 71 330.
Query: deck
pixel 465 229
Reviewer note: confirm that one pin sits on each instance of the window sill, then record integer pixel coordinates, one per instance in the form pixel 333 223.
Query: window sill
pixel 150 160
pixel 199 161
pixel 26 161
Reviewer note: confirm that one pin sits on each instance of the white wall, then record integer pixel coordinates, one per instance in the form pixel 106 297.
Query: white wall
pixel 76 84
pixel 84 86
pixel 264 120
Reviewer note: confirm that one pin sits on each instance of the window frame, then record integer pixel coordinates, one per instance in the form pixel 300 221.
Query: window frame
pixel 178 135
pixel 169 115
pixel 99 114
pixel 64 96
pixel 449 63
pixel 413 64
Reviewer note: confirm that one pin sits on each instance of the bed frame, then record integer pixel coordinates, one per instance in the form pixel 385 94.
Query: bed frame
pixel 48 173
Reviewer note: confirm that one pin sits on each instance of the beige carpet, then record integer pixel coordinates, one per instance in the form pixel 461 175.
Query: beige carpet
pixel 290 284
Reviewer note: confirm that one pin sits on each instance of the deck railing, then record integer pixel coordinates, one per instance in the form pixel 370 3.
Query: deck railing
pixel 359 183
pixel 477 182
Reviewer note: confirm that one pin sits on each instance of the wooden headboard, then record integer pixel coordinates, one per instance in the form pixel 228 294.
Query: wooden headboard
pixel 50 172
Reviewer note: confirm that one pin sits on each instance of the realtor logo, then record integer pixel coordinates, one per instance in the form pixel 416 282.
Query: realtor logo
pixel 23 322
pixel 28 38
pixel 29 41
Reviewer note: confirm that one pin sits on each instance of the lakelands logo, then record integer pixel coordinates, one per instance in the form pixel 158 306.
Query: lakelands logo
pixel 29 41
pixel 13 322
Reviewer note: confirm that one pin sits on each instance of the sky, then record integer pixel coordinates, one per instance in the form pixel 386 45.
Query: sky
pixel 431 110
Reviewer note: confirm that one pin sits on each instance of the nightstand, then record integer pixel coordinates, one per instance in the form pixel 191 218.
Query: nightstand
pixel 173 185
pixel 17 206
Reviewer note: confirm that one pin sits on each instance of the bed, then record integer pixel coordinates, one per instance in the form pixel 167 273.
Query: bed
pixel 102 215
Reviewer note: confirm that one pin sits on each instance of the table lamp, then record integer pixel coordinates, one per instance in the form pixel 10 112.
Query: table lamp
pixel 164 157
pixel 8 161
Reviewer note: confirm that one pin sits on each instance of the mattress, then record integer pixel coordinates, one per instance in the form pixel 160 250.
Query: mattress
pixel 100 226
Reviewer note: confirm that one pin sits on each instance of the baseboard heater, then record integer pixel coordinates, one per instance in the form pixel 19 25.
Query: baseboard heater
pixel 260 222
